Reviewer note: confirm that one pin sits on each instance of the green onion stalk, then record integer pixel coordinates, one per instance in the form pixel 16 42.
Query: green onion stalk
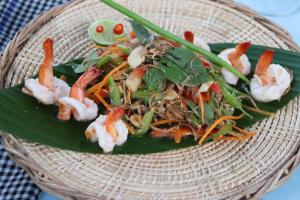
pixel 210 56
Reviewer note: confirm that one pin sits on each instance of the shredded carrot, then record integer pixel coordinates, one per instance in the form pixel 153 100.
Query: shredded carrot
pixel 201 104
pixel 244 131
pixel 236 138
pixel 179 133
pixel 216 123
pixel 100 98
pixel 164 121
pixel 270 114
pixel 105 53
pixel 102 83
pixel 118 74
pixel 202 130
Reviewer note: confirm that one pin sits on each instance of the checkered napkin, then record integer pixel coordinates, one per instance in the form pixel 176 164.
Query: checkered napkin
pixel 15 184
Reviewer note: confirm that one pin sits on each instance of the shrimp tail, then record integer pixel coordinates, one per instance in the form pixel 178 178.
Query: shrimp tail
pixel 46 71
pixel 242 48
pixel 77 90
pixel 189 36
pixel 265 60
pixel 112 117
pixel 235 56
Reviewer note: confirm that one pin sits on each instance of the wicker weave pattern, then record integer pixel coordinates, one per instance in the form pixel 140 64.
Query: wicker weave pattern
pixel 222 170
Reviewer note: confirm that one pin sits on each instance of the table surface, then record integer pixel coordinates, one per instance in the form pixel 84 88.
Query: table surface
pixel 287 14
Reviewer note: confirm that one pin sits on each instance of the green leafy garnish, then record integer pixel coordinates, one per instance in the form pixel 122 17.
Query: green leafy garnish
pixel 193 107
pixel 142 95
pixel 142 33
pixel 146 123
pixel 182 67
pixel 90 60
pixel 114 92
pixel 209 113
pixel 155 80
pixel 226 129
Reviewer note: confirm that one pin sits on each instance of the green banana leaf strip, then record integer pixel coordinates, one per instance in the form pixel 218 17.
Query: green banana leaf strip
pixel 24 117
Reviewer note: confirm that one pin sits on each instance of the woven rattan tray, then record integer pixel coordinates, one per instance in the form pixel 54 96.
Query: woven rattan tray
pixel 219 170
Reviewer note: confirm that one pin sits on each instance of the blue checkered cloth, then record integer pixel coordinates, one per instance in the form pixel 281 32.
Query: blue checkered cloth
pixel 15 184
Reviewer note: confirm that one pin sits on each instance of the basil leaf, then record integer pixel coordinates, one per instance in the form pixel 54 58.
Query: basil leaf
pixel 142 33
pixel 209 113
pixel 182 67
pixel 155 80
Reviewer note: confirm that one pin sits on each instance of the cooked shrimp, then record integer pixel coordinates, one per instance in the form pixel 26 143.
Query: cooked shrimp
pixel 109 130
pixel 47 88
pixel 82 108
pixel 270 81
pixel 190 37
pixel 237 58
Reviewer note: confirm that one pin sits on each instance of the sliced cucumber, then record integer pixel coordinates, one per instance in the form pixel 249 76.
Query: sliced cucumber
pixel 107 37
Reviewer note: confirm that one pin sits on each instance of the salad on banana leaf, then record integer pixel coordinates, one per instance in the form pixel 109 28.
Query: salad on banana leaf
pixel 150 84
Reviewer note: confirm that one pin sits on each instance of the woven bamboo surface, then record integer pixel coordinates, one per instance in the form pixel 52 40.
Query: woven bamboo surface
pixel 218 170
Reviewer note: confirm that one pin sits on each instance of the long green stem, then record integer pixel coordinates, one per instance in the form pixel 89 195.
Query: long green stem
pixel 212 57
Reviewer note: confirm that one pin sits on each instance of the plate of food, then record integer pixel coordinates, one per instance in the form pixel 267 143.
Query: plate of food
pixel 151 99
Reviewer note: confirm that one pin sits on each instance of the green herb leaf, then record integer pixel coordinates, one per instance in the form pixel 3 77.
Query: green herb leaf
pixel 143 95
pixel 146 123
pixel 142 33
pixel 182 67
pixel 226 129
pixel 114 92
pixel 155 80
pixel 209 113
pixel 80 66
pixel 90 60
pixel 193 107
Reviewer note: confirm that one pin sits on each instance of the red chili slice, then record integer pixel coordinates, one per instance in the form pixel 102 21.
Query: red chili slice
pixel 100 29
pixel 215 87
pixel 119 29
pixel 132 35
pixel 205 96
pixel 189 36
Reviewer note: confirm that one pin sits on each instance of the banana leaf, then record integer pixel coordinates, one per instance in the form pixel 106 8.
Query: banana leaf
pixel 25 118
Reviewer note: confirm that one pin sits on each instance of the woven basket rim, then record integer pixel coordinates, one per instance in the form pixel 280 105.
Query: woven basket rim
pixel 19 154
